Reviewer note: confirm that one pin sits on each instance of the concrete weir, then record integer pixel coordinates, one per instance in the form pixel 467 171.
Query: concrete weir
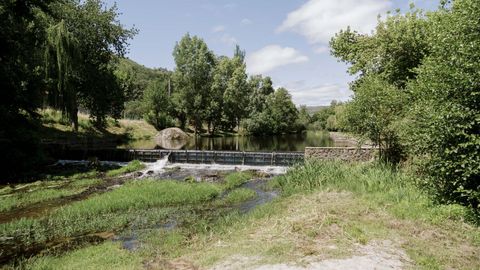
pixel 218 157
pixel 221 157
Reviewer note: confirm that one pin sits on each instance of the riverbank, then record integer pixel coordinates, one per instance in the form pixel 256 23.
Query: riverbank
pixel 329 214
pixel 115 133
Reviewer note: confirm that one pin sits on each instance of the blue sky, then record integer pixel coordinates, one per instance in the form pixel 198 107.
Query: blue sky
pixel 286 40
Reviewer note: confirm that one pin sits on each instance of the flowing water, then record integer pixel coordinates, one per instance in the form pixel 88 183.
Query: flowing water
pixel 130 237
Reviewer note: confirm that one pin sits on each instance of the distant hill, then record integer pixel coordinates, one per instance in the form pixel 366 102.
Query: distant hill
pixel 142 72
pixel 139 76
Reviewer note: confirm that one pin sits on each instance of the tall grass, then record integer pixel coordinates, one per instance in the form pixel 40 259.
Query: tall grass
pixel 378 184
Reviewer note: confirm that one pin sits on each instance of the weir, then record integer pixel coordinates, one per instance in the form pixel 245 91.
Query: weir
pixel 221 157
pixel 184 156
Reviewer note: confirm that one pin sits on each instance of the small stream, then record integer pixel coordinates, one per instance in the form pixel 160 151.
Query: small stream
pixel 130 237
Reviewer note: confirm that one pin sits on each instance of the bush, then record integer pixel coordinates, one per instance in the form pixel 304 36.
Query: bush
pixel 445 124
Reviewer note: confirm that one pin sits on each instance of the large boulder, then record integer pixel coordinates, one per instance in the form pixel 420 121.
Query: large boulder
pixel 171 138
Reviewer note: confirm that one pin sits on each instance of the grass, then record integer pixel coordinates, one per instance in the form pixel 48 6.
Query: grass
pixel 111 210
pixel 327 210
pixel 9 202
pixel 57 186
pixel 108 255
pixel 130 167
pixel 329 207
pixel 240 195
pixel 236 179
pixel 134 129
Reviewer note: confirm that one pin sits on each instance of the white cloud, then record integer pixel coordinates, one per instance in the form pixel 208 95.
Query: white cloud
pixel 228 39
pixel 246 21
pixel 320 50
pixel 218 28
pixel 271 57
pixel 319 20
pixel 319 95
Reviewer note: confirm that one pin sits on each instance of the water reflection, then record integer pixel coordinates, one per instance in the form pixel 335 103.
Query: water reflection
pixel 286 142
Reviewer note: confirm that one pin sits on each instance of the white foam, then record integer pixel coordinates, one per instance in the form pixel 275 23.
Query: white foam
pixel 157 166
pixel 273 170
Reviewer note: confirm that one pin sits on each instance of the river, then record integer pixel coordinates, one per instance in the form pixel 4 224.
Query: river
pixel 285 142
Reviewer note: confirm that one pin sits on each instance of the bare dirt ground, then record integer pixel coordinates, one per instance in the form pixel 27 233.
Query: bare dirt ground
pixel 376 255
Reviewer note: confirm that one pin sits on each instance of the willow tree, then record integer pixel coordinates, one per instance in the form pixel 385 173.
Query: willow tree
pixel 61 57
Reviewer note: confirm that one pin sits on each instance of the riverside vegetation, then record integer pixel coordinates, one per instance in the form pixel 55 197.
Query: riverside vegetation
pixel 324 211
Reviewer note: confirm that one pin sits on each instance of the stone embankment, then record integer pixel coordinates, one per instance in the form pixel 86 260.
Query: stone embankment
pixel 341 153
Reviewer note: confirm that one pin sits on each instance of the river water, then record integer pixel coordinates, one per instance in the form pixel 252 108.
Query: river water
pixel 285 142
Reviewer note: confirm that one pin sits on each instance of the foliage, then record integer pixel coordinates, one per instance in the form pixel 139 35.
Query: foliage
pixel 236 95
pixel 193 77
pixel 55 53
pixel 397 46
pixel 384 61
pixel 304 119
pixel 99 39
pixel 417 93
pixel 329 118
pixel 158 106
pixel 279 116
pixel 22 33
pixel 445 121
pixel 377 123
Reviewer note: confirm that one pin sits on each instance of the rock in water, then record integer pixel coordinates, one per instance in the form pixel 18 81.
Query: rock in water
pixel 171 138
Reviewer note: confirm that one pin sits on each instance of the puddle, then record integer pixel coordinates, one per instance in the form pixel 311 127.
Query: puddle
pixel 131 241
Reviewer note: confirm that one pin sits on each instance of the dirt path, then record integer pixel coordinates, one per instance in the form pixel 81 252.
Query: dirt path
pixel 376 255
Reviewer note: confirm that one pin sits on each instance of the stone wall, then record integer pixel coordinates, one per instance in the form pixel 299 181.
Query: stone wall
pixel 341 153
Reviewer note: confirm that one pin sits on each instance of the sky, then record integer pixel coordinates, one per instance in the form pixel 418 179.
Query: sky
pixel 284 39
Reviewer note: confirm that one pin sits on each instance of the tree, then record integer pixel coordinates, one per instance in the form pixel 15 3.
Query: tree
pixel 384 62
pixel 374 112
pixel 99 39
pixel 393 51
pixel 280 115
pixel 22 36
pixel 158 106
pixel 221 76
pixel 444 123
pixel 193 76
pixel 304 119
pixel 236 97
pixel 260 88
